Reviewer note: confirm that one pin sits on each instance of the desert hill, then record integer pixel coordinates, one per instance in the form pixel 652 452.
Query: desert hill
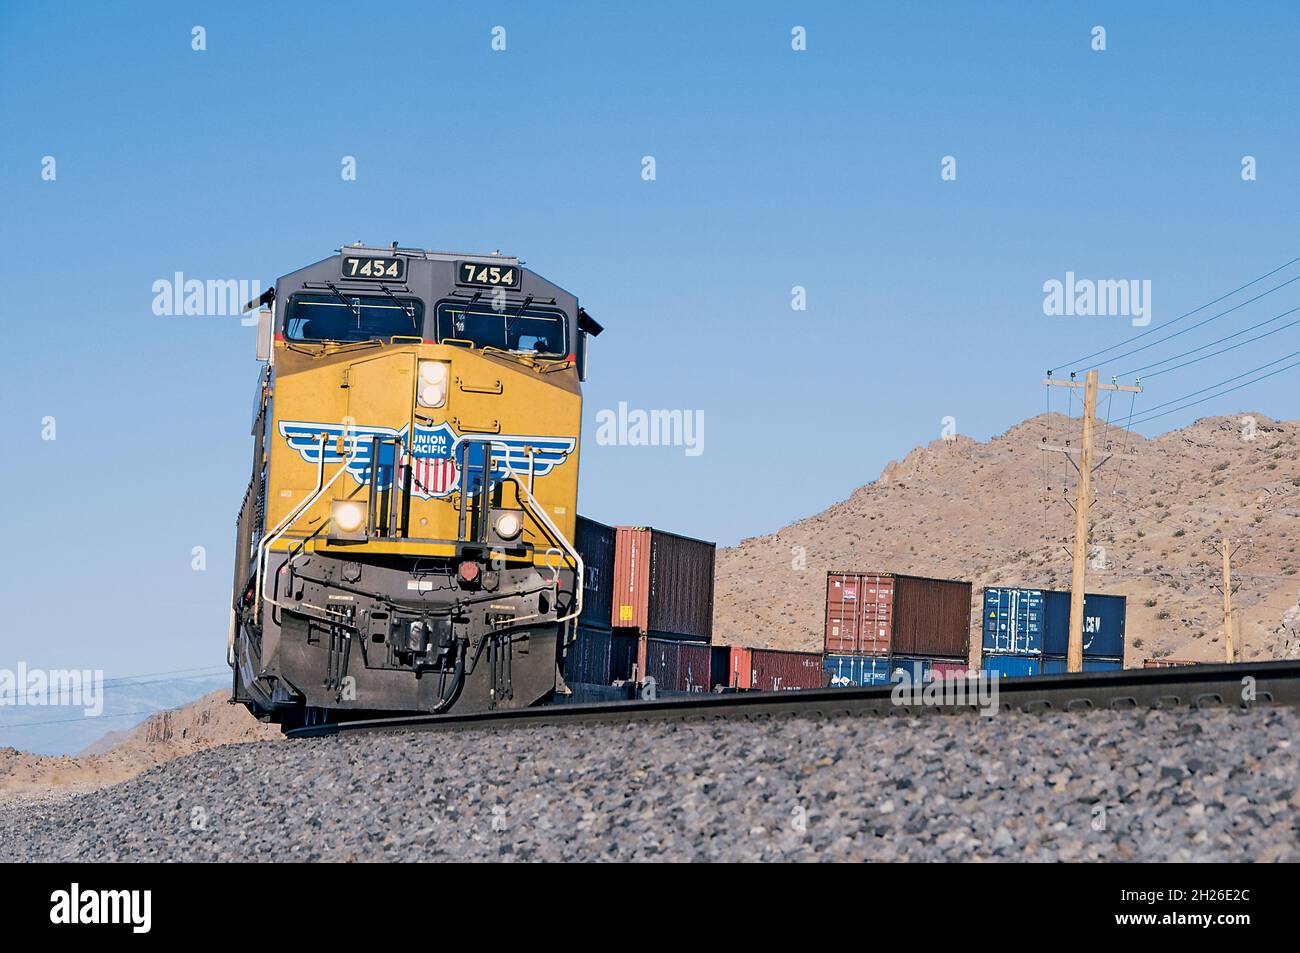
pixel 995 513
pixel 205 723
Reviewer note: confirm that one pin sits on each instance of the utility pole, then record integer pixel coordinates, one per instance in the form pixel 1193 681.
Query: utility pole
pixel 1074 656
pixel 1227 596
pixel 1227 551
pixel 1083 504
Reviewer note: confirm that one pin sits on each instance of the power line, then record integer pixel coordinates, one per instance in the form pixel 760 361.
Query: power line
pixel 68 721
pixel 1149 416
pixel 1202 390
pixel 1165 326
pixel 1225 350
pixel 125 681
pixel 1198 324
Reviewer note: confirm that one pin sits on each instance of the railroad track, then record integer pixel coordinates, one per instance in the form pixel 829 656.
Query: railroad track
pixel 1243 685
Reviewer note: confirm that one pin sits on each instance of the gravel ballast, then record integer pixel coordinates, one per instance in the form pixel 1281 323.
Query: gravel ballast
pixel 1106 786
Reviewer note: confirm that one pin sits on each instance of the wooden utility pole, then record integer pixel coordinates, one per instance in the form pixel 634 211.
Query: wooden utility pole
pixel 1227 551
pixel 1083 504
pixel 1074 655
pixel 1227 596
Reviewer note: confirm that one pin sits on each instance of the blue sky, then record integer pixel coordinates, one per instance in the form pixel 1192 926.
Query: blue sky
pixel 775 168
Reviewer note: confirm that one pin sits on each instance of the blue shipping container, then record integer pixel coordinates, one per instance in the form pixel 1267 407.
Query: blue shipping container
pixel 1013 620
pixel 1011 666
pixel 847 670
pixel 599 657
pixel 1103 624
pixel 919 668
pixel 1055 664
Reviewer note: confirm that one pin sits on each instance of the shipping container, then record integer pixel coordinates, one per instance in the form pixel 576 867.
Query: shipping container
pixel 1013 621
pixel 1167 663
pixel 880 613
pixel 1056 664
pixel 600 657
pixel 595 542
pixel 703 667
pixel 922 669
pixel 844 671
pixel 1012 666
pixel 740 666
pixel 776 671
pixel 663 659
pixel 1037 622
pixel 859 613
pixel 685 666
pixel 945 669
pixel 663 584
pixel 1103 624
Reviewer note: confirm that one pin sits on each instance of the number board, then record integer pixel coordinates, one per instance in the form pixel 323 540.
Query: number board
pixel 483 275
pixel 374 269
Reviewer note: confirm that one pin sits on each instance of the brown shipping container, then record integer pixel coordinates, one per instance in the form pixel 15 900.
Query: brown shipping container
pixel 895 614
pixel 776 671
pixel 663 584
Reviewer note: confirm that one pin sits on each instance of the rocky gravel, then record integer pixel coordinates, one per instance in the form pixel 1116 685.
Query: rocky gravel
pixel 1105 786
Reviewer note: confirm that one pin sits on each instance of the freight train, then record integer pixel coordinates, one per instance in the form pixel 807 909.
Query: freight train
pixel 877 625
pixel 405 540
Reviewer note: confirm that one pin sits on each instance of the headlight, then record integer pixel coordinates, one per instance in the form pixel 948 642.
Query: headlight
pixel 509 525
pixel 431 388
pixel 347 516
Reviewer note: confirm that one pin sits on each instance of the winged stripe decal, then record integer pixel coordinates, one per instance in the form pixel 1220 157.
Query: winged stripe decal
pixel 430 453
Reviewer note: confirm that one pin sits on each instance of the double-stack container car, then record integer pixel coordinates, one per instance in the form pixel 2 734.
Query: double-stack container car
pixel 647 610
pixel 663 588
pixel 1027 631
pixel 595 656
pixel 898 622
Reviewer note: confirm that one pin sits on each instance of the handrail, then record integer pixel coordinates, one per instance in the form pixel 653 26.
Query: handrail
pixel 538 513
pixel 270 538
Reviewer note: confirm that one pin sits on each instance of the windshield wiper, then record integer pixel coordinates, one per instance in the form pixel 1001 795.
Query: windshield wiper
pixel 408 310
pixel 523 307
pixel 347 301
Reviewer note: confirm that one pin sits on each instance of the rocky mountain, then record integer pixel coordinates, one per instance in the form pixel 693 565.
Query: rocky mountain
pixel 996 513
pixel 65 729
pixel 205 723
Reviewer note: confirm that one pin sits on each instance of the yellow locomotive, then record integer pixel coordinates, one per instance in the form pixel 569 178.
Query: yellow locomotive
pixel 405 543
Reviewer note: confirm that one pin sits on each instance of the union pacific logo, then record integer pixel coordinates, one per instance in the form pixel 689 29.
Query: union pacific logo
pixel 430 454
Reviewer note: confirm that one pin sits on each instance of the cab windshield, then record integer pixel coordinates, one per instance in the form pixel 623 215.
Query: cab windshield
pixel 532 330
pixel 347 317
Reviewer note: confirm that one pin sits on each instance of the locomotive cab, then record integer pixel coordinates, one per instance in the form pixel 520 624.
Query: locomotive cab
pixel 405 542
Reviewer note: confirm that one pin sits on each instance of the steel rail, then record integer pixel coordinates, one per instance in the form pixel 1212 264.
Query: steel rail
pixel 1240 685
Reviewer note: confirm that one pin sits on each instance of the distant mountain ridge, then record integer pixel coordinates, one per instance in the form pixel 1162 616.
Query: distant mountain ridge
pixel 66 729
pixel 994 513
pixel 204 723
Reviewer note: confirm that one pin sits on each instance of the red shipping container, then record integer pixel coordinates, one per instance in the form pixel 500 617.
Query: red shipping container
pixel 888 613
pixel 859 613
pixel 945 670
pixel 775 671
pixel 741 671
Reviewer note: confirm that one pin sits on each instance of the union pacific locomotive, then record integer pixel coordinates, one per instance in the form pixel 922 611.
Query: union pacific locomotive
pixel 405 542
